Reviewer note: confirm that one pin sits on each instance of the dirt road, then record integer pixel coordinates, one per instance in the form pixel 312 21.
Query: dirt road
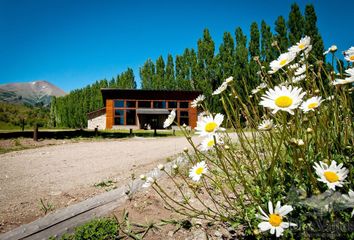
pixel 63 174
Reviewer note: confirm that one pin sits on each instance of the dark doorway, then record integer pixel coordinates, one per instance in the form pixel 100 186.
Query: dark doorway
pixel 152 121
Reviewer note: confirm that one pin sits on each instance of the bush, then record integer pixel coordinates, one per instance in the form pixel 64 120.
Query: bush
pixel 100 229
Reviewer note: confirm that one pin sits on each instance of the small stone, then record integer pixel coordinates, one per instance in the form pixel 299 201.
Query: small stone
pixel 217 234
pixel 170 234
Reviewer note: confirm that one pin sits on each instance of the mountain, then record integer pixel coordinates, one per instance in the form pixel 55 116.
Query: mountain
pixel 37 93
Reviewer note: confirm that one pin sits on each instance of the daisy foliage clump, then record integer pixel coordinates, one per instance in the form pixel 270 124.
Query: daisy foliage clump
pixel 289 137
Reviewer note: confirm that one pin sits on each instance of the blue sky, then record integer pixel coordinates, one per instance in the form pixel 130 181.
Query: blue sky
pixel 72 43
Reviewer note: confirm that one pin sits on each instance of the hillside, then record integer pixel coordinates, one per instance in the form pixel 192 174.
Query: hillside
pixel 37 93
pixel 14 116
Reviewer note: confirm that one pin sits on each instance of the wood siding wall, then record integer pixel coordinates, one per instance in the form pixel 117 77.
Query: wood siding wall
pixel 109 113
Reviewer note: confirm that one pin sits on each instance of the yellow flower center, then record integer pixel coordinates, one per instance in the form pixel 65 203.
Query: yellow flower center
pixel 331 176
pixel 283 62
pixel 351 58
pixel 313 105
pixel 210 126
pixel 301 46
pixel 199 171
pixel 275 220
pixel 211 143
pixel 283 101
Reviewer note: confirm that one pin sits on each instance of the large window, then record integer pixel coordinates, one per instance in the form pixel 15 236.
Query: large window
pixel 183 104
pixel 131 104
pixel 159 104
pixel 131 119
pixel 172 104
pixel 118 117
pixel 183 118
pixel 144 104
pixel 118 103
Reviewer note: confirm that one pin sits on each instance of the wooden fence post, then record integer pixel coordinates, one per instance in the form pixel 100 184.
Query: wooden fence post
pixel 35 132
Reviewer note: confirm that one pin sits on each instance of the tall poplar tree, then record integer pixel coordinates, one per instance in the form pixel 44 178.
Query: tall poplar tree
pixel 159 82
pixel 170 73
pixel 312 31
pixel 267 51
pixel 147 74
pixel 295 24
pixel 281 34
pixel 226 56
pixel 254 50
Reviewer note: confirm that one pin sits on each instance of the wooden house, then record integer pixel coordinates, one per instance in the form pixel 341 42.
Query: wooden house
pixel 143 109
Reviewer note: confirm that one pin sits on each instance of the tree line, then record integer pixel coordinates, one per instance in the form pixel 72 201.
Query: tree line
pixel 203 68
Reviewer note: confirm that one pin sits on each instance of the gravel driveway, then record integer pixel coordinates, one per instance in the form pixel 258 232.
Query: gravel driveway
pixel 64 174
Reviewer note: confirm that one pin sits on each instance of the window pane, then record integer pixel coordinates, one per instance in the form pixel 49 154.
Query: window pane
pixel 130 104
pixel 118 103
pixel 119 113
pixel 144 104
pixel 172 104
pixel 183 118
pixel 184 121
pixel 131 116
pixel 183 114
pixel 118 121
pixel 183 104
pixel 159 104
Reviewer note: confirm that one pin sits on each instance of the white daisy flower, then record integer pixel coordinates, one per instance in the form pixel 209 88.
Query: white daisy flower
pixel 349 54
pixel 256 90
pixel 220 89
pixel 150 180
pixel 262 85
pixel 198 170
pixel 282 61
pixel 307 51
pixel 284 98
pixel 332 49
pixel 350 199
pixel 169 120
pixel 330 98
pixel 333 175
pixel 266 125
pixel 311 104
pixel 229 80
pixel 275 220
pixel 347 80
pixel 294 66
pixel 198 101
pixel 300 70
pixel 301 45
pixel 209 142
pixel 298 78
pixel 207 125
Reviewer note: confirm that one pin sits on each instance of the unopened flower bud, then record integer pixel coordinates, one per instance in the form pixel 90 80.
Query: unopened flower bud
pixel 174 166
pixel 143 177
pixel 256 58
pixel 317 91
pixel 333 48
pixel 185 150
pixel 227 147
pixel 309 130
pixel 161 167
pixel 300 142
